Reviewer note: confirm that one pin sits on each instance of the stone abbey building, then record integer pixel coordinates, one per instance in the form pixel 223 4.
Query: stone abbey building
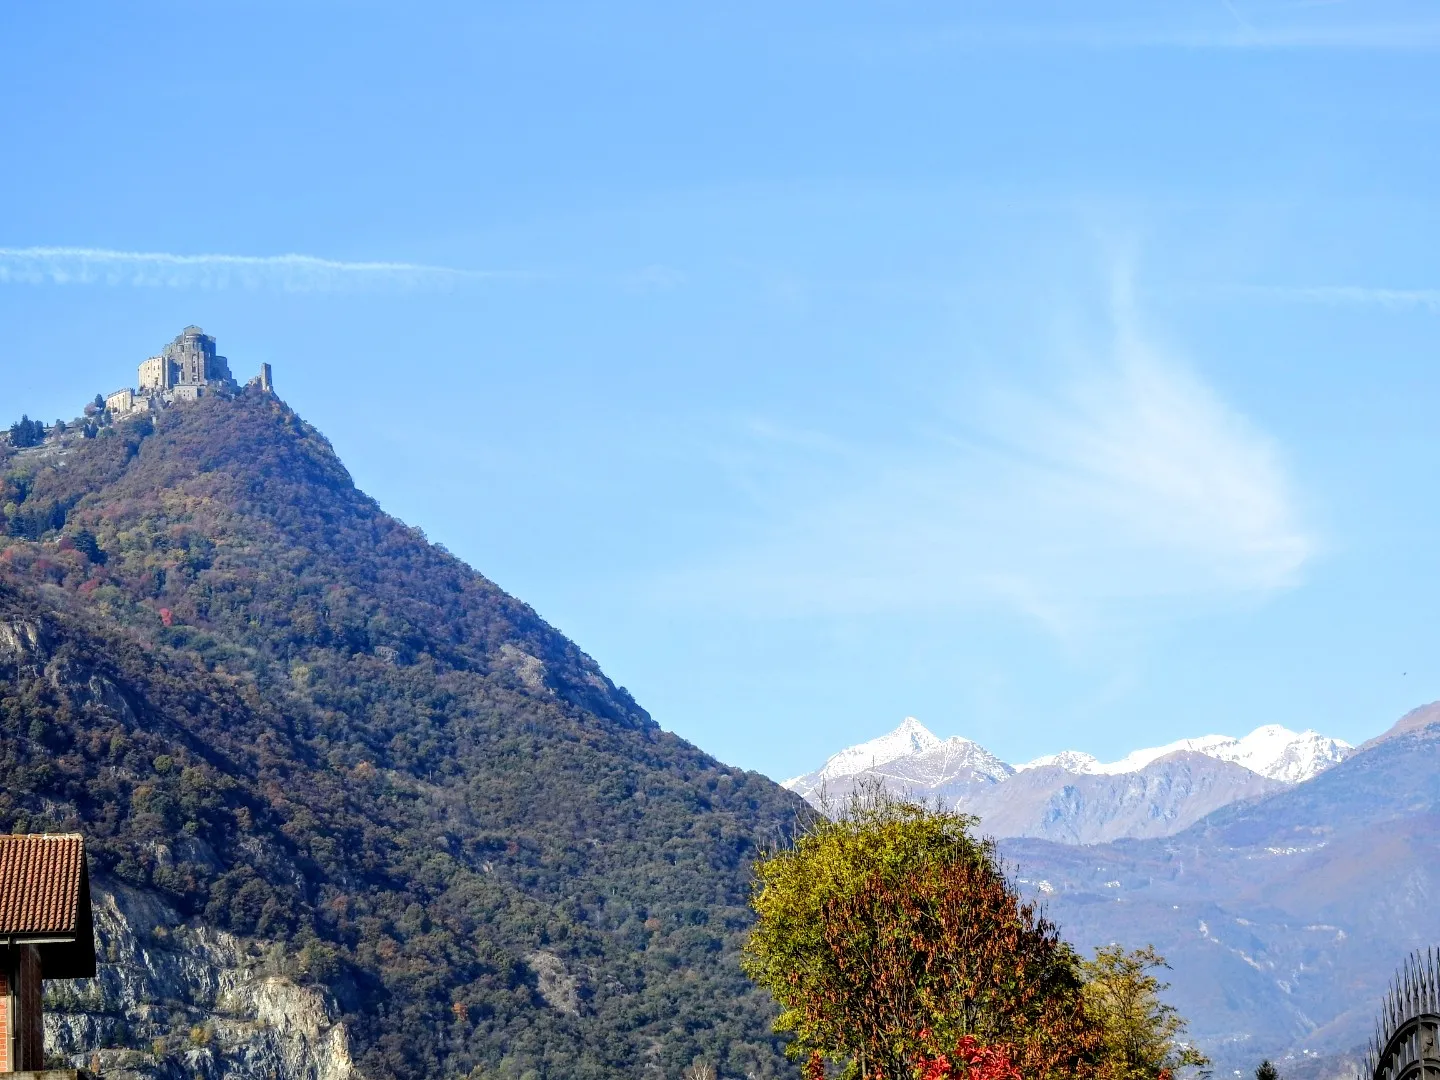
pixel 186 369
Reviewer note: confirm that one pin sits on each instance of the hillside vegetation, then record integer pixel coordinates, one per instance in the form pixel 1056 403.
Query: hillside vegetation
pixel 294 718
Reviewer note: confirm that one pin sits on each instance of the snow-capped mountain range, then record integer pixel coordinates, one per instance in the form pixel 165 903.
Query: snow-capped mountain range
pixel 1272 751
pixel 1071 795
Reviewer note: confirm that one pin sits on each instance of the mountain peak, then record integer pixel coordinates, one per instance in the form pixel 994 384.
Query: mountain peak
pixel 1415 720
pixel 1202 773
pixel 1281 754
pixel 200 591
pixel 1272 750
pixel 917 732
pixel 1073 761
pixel 907 740
pixel 911 756
pixel 911 737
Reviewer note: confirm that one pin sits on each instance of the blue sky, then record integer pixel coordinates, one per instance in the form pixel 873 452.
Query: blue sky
pixel 1064 375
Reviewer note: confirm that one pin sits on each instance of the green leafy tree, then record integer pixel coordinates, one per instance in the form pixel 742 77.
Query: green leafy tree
pixel 1267 1071
pixel 890 935
pixel 1143 1036
pixel 85 543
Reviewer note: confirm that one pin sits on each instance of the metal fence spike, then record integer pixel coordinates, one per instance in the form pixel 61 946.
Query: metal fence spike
pixel 1412 992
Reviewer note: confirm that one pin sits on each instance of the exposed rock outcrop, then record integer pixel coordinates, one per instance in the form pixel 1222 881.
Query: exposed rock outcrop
pixel 180 1000
pixel 558 988
pixel 22 639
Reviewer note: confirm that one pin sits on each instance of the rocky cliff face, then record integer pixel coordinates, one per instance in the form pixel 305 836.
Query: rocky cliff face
pixel 177 999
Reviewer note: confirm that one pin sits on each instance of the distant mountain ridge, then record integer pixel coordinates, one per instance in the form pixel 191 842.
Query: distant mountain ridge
pixel 1072 796
pixel 1282 906
pixel 1272 751
pixel 1283 916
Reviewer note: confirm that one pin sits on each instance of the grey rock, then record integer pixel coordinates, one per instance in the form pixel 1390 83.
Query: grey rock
pixel 558 988
pixel 177 999
pixel 1162 798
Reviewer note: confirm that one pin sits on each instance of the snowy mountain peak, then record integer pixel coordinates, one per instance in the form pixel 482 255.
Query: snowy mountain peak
pixel 1273 751
pixel 907 740
pixel 1073 761
pixel 917 733
pixel 1072 795
pixel 912 754
pixel 910 758
pixel 1282 754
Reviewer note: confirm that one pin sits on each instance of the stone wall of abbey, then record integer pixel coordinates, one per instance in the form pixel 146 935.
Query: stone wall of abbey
pixel 186 369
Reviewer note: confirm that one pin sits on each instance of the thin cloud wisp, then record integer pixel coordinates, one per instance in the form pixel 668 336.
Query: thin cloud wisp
pixel 286 273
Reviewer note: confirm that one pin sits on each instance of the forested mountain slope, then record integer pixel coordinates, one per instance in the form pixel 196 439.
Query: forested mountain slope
pixel 290 717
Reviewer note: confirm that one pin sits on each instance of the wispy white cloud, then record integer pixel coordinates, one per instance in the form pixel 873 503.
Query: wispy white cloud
pixel 287 273
pixel 1387 37
pixel 1128 483
pixel 1242 23
pixel 1356 295
pixel 1381 25
pixel 657 277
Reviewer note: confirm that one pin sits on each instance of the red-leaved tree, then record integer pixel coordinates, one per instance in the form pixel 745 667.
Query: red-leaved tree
pixel 970 1060
pixel 894 943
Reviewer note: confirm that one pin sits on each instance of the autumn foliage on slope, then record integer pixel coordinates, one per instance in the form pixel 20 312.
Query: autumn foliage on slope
pixel 294 719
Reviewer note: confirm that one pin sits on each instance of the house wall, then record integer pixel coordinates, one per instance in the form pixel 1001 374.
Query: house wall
pixel 22 1028
pixel 29 1022
pixel 5 1011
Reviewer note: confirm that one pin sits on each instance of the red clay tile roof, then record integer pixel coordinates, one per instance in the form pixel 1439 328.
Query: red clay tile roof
pixel 40 883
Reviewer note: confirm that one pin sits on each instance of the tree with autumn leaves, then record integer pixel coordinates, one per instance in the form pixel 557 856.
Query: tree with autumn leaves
pixel 898 950
pixel 1141 1034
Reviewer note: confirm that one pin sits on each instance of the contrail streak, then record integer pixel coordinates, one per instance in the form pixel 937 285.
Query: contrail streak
pixel 159 269
pixel 1360 295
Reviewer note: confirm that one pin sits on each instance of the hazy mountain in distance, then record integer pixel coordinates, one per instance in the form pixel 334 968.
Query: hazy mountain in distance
pixel 1272 751
pixel 1282 917
pixel 1071 796
pixel 1158 799
pixel 1282 911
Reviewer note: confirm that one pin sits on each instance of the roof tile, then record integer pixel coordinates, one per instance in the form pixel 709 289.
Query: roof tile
pixel 40 883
